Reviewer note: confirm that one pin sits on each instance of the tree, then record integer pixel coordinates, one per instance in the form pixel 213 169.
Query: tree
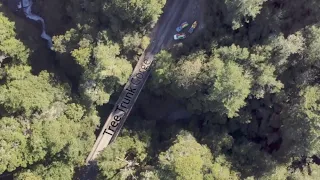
pixel 108 72
pixel 217 138
pixel 186 159
pixel 267 81
pixel 256 62
pixel 231 53
pixel 58 131
pixel 9 45
pixel 55 171
pixel 240 10
pixel 311 103
pixel 300 125
pixel 222 169
pixel 82 56
pixel 250 78
pixel 66 130
pixel 108 64
pixel 140 11
pixel 186 79
pixel 161 74
pixel 149 175
pixel 249 160
pixel 278 173
pixel 135 43
pixel 284 47
pixel 145 41
pixel 122 158
pixel 231 87
pixel 13 141
pixel 62 43
pixel 131 42
pixel 310 172
pixel 27 175
pixel 29 93
pixel 312 44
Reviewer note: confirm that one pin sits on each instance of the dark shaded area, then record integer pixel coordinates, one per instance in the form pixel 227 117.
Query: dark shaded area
pixel 41 58
pixel 88 172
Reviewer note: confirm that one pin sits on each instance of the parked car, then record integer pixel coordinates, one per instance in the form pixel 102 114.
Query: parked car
pixel 194 25
pixel 183 25
pixel 179 36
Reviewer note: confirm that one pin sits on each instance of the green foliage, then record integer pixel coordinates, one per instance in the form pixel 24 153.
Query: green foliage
pixel 149 175
pixel 255 62
pixel 82 56
pixel 132 42
pixel 162 71
pixel 243 10
pixel 249 160
pixel 53 127
pixel 121 159
pixel 74 112
pixel 186 159
pixel 134 11
pixel 313 44
pixel 186 80
pixel 9 45
pixel 110 71
pixel 284 47
pixel 28 175
pixel 13 142
pixel 232 53
pixel 278 173
pixel 231 88
pixel 145 41
pixel 217 141
pixel 17 72
pixel 30 93
pixel 250 78
pixel 55 171
pixel 309 172
pixel 61 43
pixel 135 42
pixel 222 170
pixel 300 125
pixel 311 103
pixel 266 80
pixel 109 65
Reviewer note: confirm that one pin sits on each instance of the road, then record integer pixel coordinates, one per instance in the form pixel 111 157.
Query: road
pixel 175 12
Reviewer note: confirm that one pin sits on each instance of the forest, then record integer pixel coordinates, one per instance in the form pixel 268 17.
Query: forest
pixel 250 80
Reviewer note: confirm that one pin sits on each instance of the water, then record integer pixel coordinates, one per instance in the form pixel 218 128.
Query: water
pixel 26 5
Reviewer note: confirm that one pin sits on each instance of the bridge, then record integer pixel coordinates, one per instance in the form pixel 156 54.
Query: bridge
pixel 175 12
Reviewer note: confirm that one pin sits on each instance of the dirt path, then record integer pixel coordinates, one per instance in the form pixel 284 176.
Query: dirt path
pixel 192 10
pixel 175 12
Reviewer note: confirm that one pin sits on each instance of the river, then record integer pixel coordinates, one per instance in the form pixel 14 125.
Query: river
pixel 26 6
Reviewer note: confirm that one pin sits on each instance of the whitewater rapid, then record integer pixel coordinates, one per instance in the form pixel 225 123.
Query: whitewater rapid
pixel 26 6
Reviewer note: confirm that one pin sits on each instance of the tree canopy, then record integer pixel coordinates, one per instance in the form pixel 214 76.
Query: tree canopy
pixel 237 99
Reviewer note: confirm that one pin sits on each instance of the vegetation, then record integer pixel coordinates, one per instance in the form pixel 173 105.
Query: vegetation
pixel 250 80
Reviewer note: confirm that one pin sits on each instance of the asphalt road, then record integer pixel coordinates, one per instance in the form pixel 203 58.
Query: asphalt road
pixel 175 12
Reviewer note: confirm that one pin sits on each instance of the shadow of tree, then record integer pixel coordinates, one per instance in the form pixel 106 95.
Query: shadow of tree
pixel 275 17
pixel 40 58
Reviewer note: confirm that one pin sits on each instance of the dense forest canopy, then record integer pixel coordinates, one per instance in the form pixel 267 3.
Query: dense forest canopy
pixel 250 79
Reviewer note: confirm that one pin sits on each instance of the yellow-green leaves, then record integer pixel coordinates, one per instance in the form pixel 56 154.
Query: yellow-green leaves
pixel 122 157
pixel 231 88
pixel 9 45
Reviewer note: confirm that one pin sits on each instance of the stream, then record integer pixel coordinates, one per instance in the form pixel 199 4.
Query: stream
pixel 26 6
